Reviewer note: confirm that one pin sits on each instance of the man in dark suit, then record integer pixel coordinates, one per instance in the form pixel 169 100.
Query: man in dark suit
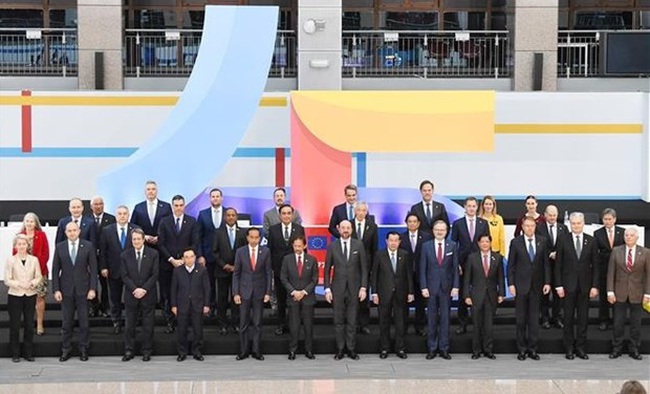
pixel 628 286
pixel 429 211
pixel 392 290
pixel 280 240
pixel 209 220
pixel 465 232
pixel 347 257
pixel 553 231
pixel 148 214
pixel 576 280
pixel 607 237
pixel 439 281
pixel 529 276
pixel 190 301
pixel 100 305
pixel 251 289
pixel 484 290
pixel 272 216
pixel 412 240
pixel 176 233
pixel 74 283
pixel 85 224
pixel 344 211
pixel 299 276
pixel 115 239
pixel 365 230
pixel 227 239
pixel 139 269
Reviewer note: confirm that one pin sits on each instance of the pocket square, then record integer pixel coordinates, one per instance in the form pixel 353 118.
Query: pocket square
pixel 449 253
pixel 355 252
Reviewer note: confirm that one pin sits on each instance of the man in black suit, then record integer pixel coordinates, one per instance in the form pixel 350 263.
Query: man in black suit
pixel 607 238
pixel 175 234
pixel 115 239
pixel 365 230
pixel 484 290
pixel 280 240
pixel 429 211
pixel 529 276
pixel 344 211
pixel 576 280
pixel 100 305
pixel 85 224
pixel 299 276
pixel 347 287
pixel 190 301
pixel 553 231
pixel 251 289
pixel 412 240
pixel 209 220
pixel 466 232
pixel 392 290
pixel 148 214
pixel 227 239
pixel 74 283
pixel 139 269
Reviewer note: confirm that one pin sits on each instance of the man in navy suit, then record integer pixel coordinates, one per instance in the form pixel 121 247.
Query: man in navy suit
pixel 529 276
pixel 251 289
pixel 176 233
pixel 148 214
pixel 115 238
pixel 466 232
pixel 428 211
pixel 209 220
pixel 85 224
pixel 74 283
pixel 100 305
pixel 412 240
pixel 190 301
pixel 344 211
pixel 439 282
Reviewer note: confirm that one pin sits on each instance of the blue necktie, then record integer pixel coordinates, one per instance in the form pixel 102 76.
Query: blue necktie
pixel 73 253
pixel 531 250
pixel 123 238
pixel 351 213
pixel 231 236
pixel 393 261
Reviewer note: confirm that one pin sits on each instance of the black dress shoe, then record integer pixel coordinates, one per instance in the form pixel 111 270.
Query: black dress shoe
pixel 117 329
pixel 476 356
pixel 223 331
pixel 420 332
pixel 258 356
pixel 198 357
pixel 292 356
pixel 581 354
pixel 569 356
pixel 402 354
pixel 533 356
pixel 15 359
pixel 546 325
pixel 92 313
pixel 636 356
pixel 559 324
pixel 521 356
pixel 30 359
pixel 146 358
pixel 431 355
pixel 170 329
pixel 491 356
pixel 461 330
pixel 279 331
pixel 603 326
pixel 104 314
pixel 127 357
pixel 181 357
pixel 339 356
pixel 383 354
pixel 614 355
pixel 353 355
pixel 83 356
pixel 64 357
pixel 365 331
pixel 445 355
pixel 310 355
pixel 242 356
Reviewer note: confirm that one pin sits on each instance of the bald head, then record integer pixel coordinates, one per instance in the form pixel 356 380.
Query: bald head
pixel 550 214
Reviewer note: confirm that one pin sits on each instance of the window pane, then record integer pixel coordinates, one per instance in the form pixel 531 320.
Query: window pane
pixel 149 3
pixel 465 4
pixel 358 3
pixel 63 18
pixel 358 21
pixel 464 20
pixel 603 20
pixel 408 20
pixel 193 19
pixel 155 19
pixel 21 18
pixel 499 21
pixel 644 20
pixel 563 20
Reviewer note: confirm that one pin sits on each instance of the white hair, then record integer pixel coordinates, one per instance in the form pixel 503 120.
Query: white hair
pixel 577 215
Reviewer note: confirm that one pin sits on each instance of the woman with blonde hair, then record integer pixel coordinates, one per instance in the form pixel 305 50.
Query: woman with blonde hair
pixel 488 211
pixel 22 276
pixel 41 250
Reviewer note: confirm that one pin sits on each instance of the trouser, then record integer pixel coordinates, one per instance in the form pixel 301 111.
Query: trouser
pixel 132 311
pixel 419 303
pixel 620 312
pixel 71 303
pixel 392 309
pixel 463 311
pixel 575 303
pixel 225 302
pixel 345 308
pixel 191 318
pixel 281 299
pixel 604 307
pixel 21 313
pixel 483 316
pixel 116 287
pixel 438 314
pixel 211 266
pixel 527 321
pixel 165 284
pixel 250 324
pixel 300 311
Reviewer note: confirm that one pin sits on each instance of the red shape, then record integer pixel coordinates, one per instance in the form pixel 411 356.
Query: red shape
pixel 279 167
pixel 26 121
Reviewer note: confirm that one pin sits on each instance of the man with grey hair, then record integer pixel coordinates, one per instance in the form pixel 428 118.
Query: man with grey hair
pixel 100 305
pixel 365 230
pixel 607 237
pixel 576 281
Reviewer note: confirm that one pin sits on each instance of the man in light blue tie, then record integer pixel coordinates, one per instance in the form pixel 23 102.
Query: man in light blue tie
pixel 209 220
pixel 344 211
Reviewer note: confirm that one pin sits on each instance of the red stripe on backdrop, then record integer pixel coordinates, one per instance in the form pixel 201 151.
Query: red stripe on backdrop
pixel 280 160
pixel 26 120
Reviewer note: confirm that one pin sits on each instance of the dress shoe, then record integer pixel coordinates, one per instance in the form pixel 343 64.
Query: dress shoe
pixel 92 313
pixel 242 356
pixel 569 356
pixel 383 354
pixel 235 329
pixel 614 355
pixel 420 332
pixel 310 355
pixel 223 331
pixel 559 324
pixel 521 356
pixel 603 326
pixel 445 354
pixel 339 356
pixel 181 357
pixel 491 356
pixel 461 330
pixel 476 356
pixel 292 356
pixel 127 357
pixel 64 357
pixel 636 356
pixel 198 357
pixel 30 359
pixel 365 331
pixel 353 355
pixel 83 356
pixel 546 325
pixel 431 355
pixel 582 355
pixel 117 329
pixel 104 314
pixel 258 356
pixel 146 358
pixel 402 354
pixel 170 329
pixel 279 331
pixel 533 356
pixel 15 359
pixel 40 333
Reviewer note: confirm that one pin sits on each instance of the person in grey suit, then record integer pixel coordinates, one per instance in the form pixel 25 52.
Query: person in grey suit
pixel 272 216
pixel 348 287
pixel 299 276
pixel 74 282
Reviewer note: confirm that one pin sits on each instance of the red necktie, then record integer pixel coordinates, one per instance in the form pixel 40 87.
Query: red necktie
pixel 486 265
pixel 439 255
pixel 628 263
pixel 299 265
pixel 253 259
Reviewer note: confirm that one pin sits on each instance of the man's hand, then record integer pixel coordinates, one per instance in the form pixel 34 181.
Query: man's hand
pixel 410 298
pixel 58 296
pixel 299 295
pixel 177 262
pixel 139 293
pixel 560 292
pixel 151 239
pixel 546 289
pixel 202 260
pixel 425 293
pixel 593 293
pixel 375 299
pixel 460 270
pixel 206 310
pixel 267 298
pixel 454 292
pixel 499 299
pixel 229 268
pixel 91 294
pixel 328 296
pixel 552 255
pixel 237 299
pixel 174 310
pixel 104 273
pixel 468 301
pixel 612 299
pixel 362 294
pixel 512 290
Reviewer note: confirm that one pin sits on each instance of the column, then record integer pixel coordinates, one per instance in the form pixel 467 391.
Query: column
pixel 99 25
pixel 535 31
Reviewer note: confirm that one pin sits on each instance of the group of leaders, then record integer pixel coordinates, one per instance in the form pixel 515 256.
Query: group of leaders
pixel 209 266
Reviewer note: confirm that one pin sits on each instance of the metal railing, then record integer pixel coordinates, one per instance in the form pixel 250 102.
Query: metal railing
pixel 426 54
pixel 156 52
pixel 578 53
pixel 32 52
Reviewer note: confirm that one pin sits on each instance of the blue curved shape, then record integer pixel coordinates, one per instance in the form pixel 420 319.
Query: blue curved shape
pixel 212 115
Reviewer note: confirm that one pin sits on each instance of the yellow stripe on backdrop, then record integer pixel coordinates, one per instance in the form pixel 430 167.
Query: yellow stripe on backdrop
pixel 125 101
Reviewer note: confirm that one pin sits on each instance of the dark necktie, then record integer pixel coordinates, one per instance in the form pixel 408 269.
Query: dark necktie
pixel 122 238
pixel 629 264
pixel 178 225
pixel 138 257
pixel 97 220
pixel 359 235
pixel 439 254
pixel 578 246
pixel 299 265
pixel 345 250
pixel 429 212
pixel 286 233
pixel 531 250
pixel 550 232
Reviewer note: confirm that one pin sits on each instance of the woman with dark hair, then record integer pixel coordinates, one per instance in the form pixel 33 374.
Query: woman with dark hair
pixel 531 211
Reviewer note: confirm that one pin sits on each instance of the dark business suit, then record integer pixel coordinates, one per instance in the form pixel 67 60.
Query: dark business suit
pixel 74 280
pixel 528 277
pixel 251 286
pixel 439 279
pixel 86 226
pixel 419 303
pixel 146 277
pixel 484 291
pixel 280 248
pixel 305 281
pixel 110 252
pixel 350 275
pixel 170 245
pixel 466 245
pixel 604 253
pixel 339 213
pixel 371 244
pixel 101 301
pixel 224 254
pixel 392 286
pixel 555 305
pixel 140 217
pixel 438 212
pixel 190 293
pixel 206 235
pixel 577 275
